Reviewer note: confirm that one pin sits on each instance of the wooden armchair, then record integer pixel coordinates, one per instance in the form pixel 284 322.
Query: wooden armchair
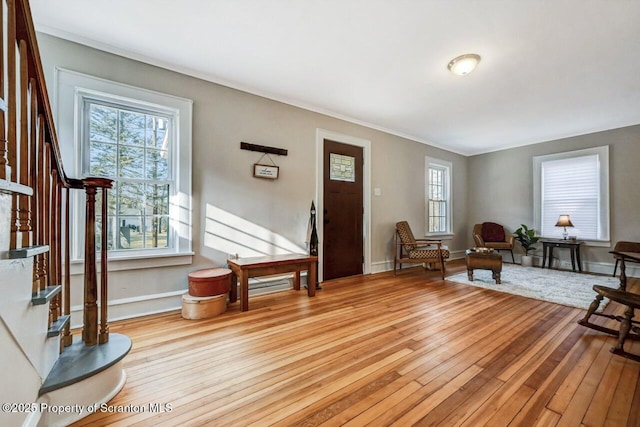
pixel 408 249
pixel 629 328
pixel 624 247
pixel 492 235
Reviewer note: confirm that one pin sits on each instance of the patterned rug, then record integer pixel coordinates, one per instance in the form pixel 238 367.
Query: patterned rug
pixel 560 287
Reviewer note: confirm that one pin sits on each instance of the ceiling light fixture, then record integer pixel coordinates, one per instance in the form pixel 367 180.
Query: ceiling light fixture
pixel 464 64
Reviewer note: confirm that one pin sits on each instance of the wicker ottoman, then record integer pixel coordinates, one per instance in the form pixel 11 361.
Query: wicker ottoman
pixel 484 261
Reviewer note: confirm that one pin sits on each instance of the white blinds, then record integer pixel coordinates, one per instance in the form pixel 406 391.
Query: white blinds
pixel 571 186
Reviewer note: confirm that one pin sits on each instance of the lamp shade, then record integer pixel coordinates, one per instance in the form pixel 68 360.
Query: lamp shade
pixel 564 221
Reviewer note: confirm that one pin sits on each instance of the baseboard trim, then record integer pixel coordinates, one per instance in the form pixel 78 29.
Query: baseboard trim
pixel 587 266
pixel 146 305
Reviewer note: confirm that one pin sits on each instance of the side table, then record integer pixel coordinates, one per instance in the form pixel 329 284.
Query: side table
pixel 572 245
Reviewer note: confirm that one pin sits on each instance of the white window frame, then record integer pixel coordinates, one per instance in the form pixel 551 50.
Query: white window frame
pixel 447 168
pixel 72 88
pixel 603 205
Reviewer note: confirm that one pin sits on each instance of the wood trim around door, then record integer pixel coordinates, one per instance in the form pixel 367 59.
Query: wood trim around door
pixel 321 135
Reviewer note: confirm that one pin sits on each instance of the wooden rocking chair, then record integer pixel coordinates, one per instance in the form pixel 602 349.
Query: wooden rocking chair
pixel 408 249
pixel 629 328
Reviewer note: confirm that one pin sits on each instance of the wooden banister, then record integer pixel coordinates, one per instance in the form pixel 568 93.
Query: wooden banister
pixel 4 161
pixel 30 158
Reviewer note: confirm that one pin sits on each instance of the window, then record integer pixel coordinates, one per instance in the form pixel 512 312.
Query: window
pixel 133 147
pixel 438 196
pixel 575 183
pixel 142 141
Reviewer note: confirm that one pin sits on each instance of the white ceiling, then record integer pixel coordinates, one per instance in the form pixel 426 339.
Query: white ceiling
pixel 549 69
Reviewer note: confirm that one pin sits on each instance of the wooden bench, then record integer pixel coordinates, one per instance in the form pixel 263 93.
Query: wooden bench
pixel 244 268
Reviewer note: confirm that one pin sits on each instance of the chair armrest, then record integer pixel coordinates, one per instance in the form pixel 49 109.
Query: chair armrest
pixel 479 241
pixel 629 256
pixel 623 246
pixel 511 239
pixel 428 241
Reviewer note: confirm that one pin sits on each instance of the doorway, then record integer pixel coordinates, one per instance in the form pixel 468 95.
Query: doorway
pixel 344 216
pixel 343 210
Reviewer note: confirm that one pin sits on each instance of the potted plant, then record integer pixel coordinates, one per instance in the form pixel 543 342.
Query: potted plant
pixel 526 237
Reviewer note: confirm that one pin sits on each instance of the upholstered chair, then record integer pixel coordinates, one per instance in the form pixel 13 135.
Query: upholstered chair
pixel 492 235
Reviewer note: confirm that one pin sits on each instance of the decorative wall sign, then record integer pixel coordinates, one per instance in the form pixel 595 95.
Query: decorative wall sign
pixel 265 171
pixel 342 168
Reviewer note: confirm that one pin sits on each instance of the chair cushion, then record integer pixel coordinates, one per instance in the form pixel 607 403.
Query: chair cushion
pixel 498 245
pixel 428 252
pixel 492 232
pixel 406 235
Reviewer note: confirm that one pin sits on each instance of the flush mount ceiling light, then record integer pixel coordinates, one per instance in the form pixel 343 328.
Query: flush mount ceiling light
pixel 464 64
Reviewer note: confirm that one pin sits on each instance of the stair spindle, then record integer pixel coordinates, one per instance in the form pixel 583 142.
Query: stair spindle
pixel 67 338
pixel 104 326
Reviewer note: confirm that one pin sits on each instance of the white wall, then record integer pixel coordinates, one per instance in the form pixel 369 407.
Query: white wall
pixel 20 381
pixel 223 187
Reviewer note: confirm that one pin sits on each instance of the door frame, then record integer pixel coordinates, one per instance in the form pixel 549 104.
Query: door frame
pixel 321 135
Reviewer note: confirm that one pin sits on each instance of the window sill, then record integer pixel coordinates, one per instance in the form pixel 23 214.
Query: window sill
pixel 137 262
pixel 444 236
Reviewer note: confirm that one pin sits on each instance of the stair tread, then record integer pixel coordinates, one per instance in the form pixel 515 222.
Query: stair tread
pixel 57 326
pixel 78 361
pixel 13 187
pixel 28 252
pixel 46 295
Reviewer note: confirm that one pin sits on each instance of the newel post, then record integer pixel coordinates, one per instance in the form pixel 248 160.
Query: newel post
pixel 90 324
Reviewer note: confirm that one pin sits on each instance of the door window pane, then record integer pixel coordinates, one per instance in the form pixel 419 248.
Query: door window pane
pixel 342 168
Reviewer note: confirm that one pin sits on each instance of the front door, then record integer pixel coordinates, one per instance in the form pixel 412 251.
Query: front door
pixel 342 243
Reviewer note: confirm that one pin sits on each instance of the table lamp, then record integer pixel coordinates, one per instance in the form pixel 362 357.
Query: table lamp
pixel 564 221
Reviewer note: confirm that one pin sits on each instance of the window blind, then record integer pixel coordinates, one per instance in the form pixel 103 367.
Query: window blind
pixel 571 186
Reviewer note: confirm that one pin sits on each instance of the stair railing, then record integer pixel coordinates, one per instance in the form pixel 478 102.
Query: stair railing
pixel 30 160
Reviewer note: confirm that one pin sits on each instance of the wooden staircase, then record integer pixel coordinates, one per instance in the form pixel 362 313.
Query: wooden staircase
pixel 45 366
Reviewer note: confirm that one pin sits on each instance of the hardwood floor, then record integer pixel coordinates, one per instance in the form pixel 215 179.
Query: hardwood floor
pixel 379 350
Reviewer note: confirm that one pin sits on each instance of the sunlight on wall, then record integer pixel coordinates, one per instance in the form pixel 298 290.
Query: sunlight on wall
pixel 231 234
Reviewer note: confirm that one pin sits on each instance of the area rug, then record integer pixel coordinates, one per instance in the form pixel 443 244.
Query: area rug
pixel 560 287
